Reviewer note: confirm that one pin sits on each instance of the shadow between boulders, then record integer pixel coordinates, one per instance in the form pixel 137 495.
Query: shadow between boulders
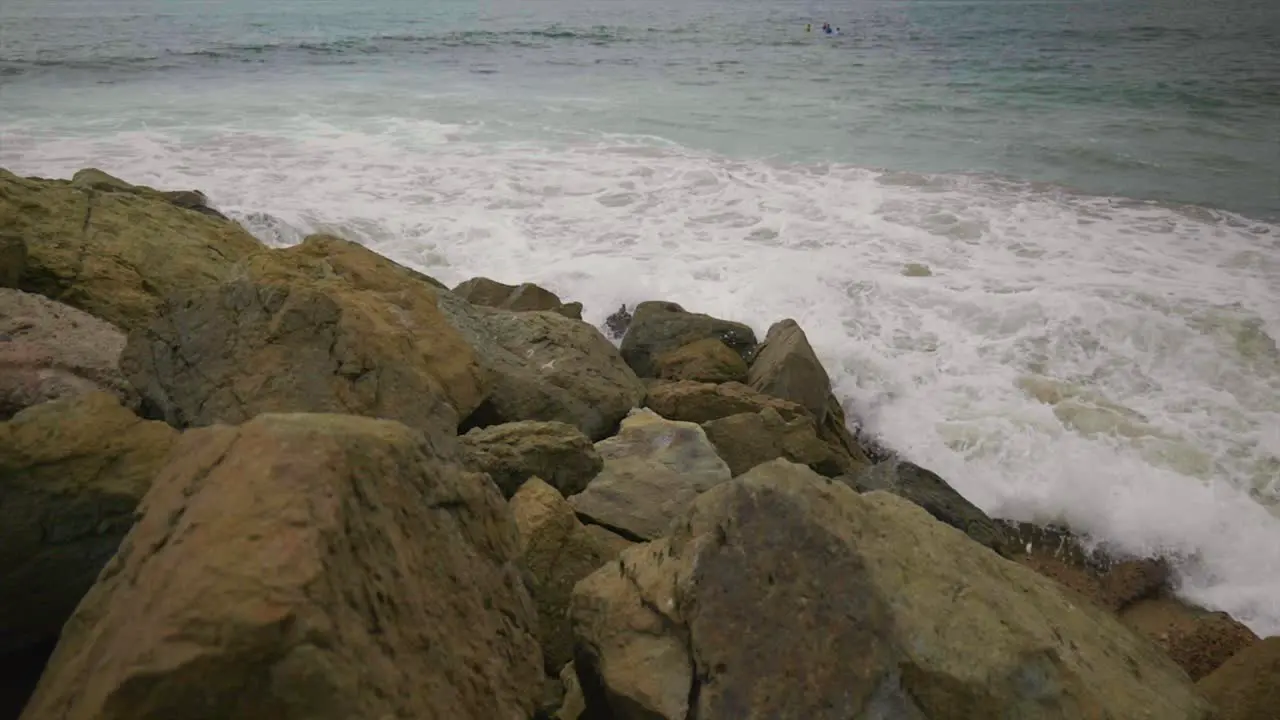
pixel 20 670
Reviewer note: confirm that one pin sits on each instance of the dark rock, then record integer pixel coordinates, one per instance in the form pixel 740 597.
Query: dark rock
pixel 13 260
pixel 786 366
pixel 658 327
pixel 617 323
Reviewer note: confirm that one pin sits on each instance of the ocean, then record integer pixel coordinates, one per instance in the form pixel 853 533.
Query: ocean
pixel 1036 243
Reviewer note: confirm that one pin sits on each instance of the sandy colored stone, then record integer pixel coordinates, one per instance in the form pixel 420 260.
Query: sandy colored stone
pixel 514 452
pixel 697 402
pixel 789 595
pixel 517 298
pixel 72 471
pixel 749 439
pixel 657 327
pixel 1247 686
pixel 545 367
pixel 706 360
pixel 113 249
pixel 49 350
pixel 653 469
pixel 559 552
pixel 317 567
pixel 786 366
pixel 324 326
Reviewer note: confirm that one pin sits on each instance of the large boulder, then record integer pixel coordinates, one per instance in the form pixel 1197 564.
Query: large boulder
pixel 113 249
pixel 705 360
pixel 514 452
pixel 72 471
pixel 746 440
pixel 653 469
pixel 323 326
pixel 787 367
pixel 657 327
pixel 699 402
pixel 545 367
pixel 783 594
pixel 13 259
pixel 49 350
pixel 926 489
pixel 306 566
pixel 1247 686
pixel 517 298
pixel 559 552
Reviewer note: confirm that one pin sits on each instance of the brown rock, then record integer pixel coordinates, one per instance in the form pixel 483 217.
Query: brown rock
pixel 49 350
pixel 324 567
pixel 696 402
pixel 746 440
pixel 1113 583
pixel 574 705
pixel 782 594
pixel 653 469
pixel 13 260
pixel 926 489
pixel 610 541
pixel 657 327
pixel 512 453
pixel 324 326
pixel 71 473
pixel 517 298
pixel 112 249
pixel 545 367
pixel 786 366
pixel 1247 686
pixel 559 552
pixel 706 360
pixel 1198 640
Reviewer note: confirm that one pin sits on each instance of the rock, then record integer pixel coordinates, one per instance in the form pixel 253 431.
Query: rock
pixel 658 327
pixel 112 249
pixel 653 469
pixel 324 326
pixel 95 179
pixel 617 323
pixel 786 367
pixel 611 541
pixel 514 452
pixel 1113 583
pixel 72 471
pixel 49 350
pixel 746 440
pixel 306 566
pixel 518 298
pixel 1198 640
pixel 1245 687
pixel 926 489
pixel 574 705
pixel 705 360
pixel 697 402
pixel 559 552
pixel 781 594
pixel 13 260
pixel 545 367
pixel 916 270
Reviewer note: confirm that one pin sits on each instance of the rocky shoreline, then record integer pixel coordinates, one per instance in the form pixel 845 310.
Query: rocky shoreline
pixel 308 482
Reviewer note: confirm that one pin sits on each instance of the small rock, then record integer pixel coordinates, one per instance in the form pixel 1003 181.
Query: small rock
pixel 697 402
pixel 574 705
pixel 1198 640
pixel 617 323
pixel 1113 583
pixel 306 566
pixel 653 469
pixel 783 594
pixel 926 489
pixel 916 270
pixel 658 327
pixel 559 552
pixel 517 298
pixel 1247 686
pixel 706 360
pixel 512 453
pixel 49 350
pixel 746 440
pixel 787 367
pixel 13 260
pixel 72 471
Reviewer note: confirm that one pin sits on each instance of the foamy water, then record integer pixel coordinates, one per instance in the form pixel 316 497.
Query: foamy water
pixel 1104 363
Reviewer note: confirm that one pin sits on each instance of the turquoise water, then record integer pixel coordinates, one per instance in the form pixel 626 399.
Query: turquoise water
pixel 1094 188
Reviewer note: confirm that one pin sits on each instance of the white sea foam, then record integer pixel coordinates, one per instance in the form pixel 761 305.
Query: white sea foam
pixel 1105 363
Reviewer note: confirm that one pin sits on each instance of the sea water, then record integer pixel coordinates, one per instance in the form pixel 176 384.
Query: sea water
pixel 1036 243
